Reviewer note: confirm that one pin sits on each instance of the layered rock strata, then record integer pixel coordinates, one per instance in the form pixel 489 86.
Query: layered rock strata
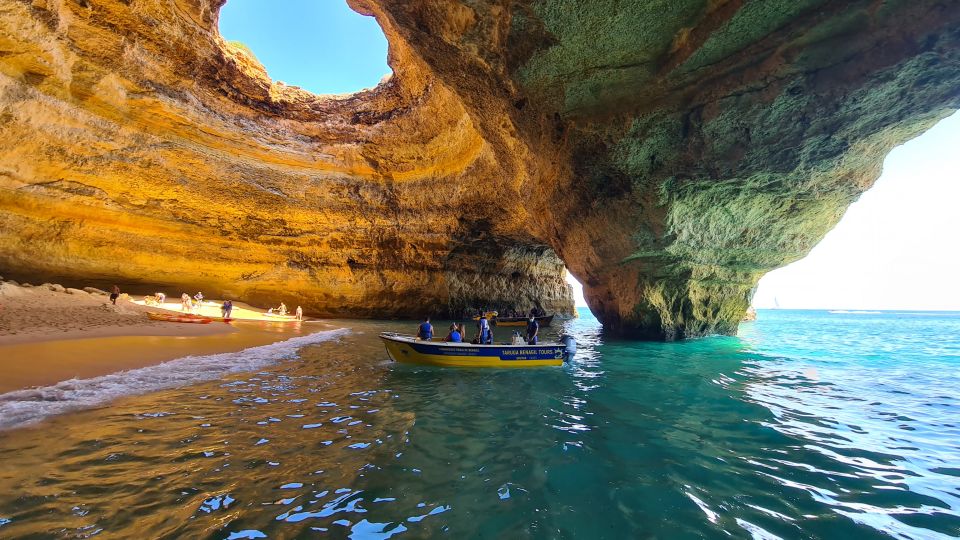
pixel 668 153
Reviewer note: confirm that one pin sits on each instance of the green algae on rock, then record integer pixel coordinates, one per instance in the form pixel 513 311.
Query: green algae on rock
pixel 668 153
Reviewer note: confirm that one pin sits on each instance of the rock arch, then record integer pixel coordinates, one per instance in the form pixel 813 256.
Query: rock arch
pixel 669 156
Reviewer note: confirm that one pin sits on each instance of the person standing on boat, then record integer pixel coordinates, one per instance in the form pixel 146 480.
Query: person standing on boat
pixel 483 325
pixel 425 330
pixel 533 328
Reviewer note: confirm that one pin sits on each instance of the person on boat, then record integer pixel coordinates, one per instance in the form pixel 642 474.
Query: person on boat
pixel 533 328
pixel 115 294
pixel 282 309
pixel 483 326
pixel 425 330
pixel 299 313
pixel 454 336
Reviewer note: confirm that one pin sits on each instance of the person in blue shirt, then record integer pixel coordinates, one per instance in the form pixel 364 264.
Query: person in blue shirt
pixel 425 330
pixel 533 328
pixel 483 327
pixel 454 336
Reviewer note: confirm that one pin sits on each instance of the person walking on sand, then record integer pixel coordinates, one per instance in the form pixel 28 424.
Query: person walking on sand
pixel 185 304
pixel 299 313
pixel 115 294
pixel 228 313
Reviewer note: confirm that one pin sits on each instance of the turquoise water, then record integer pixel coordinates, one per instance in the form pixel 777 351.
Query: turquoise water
pixel 808 425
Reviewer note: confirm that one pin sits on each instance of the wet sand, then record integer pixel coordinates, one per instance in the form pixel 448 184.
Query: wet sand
pixel 43 363
pixel 50 312
pixel 50 334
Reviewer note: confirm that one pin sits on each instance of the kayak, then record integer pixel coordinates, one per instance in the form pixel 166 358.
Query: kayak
pixel 522 321
pixel 488 315
pixel 411 350
pixel 180 318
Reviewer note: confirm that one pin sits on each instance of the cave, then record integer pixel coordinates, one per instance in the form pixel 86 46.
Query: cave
pixel 669 155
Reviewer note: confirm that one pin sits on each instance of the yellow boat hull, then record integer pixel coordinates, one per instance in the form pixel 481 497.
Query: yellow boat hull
pixel 409 351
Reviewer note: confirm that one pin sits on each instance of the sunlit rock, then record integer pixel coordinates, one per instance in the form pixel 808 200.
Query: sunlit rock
pixel 669 154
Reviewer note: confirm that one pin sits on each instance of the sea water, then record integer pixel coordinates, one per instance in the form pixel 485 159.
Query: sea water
pixel 807 425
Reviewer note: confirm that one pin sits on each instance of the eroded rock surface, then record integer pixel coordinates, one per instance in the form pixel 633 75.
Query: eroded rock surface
pixel 670 153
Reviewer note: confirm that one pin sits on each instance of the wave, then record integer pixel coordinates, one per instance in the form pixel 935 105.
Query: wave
pixel 22 407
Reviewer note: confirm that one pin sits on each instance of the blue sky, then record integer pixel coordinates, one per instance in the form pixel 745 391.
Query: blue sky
pixel 896 248
pixel 319 45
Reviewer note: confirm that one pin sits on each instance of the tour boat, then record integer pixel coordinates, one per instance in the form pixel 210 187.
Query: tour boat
pixel 180 317
pixel 521 321
pixel 411 350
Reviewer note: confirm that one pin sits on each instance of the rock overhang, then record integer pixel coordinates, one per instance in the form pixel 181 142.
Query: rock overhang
pixel 669 153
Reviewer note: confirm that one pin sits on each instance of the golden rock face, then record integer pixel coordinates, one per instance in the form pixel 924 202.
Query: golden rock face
pixel 669 154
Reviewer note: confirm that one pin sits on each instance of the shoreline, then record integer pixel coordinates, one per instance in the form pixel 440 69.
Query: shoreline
pixel 50 334
pixel 49 362
pixel 142 330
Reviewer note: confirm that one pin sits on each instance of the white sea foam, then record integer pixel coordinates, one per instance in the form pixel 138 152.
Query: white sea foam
pixel 23 407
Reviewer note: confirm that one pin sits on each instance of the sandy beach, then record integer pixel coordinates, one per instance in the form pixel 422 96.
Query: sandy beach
pixel 51 312
pixel 50 334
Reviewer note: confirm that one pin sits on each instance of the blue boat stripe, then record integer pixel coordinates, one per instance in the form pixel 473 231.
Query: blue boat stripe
pixel 527 352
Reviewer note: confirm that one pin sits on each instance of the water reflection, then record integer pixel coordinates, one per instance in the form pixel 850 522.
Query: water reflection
pixel 710 438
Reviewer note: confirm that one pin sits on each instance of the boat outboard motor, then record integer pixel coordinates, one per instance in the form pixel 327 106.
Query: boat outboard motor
pixel 570 345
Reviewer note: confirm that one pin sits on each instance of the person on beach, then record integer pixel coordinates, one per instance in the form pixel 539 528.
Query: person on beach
pixel 185 304
pixel 425 330
pixel 115 294
pixel 161 298
pixel 299 313
pixel 533 328
pixel 225 309
pixel 454 336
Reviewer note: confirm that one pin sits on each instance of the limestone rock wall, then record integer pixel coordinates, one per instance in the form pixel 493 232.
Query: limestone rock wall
pixel 137 146
pixel 668 153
